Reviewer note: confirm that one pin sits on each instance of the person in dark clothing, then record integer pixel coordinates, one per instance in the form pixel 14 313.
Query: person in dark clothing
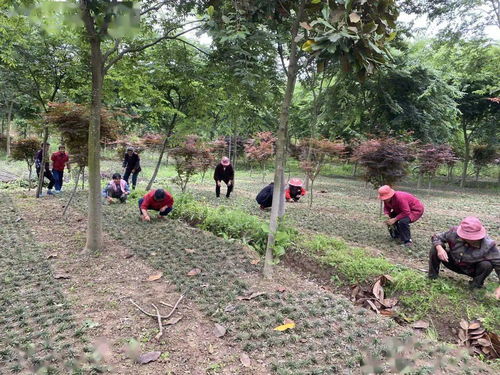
pixel 224 172
pixel 47 173
pixel 265 196
pixel 158 200
pixel 132 165
pixel 116 189
pixel 295 190
pixel 466 250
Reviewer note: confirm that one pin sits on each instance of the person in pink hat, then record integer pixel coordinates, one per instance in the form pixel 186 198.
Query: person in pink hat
pixel 467 250
pixel 224 172
pixel 402 209
pixel 294 190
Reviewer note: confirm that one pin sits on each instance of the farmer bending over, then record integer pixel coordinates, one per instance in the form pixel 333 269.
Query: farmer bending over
pixel 402 209
pixel 469 252
pixel 117 188
pixel 294 190
pixel 265 197
pixel 158 200
pixel 224 172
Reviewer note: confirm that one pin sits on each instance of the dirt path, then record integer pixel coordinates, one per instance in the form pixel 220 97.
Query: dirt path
pixel 331 336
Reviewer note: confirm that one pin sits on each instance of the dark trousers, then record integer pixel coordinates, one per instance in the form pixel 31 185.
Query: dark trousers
pixel 162 213
pixel 401 228
pixel 134 177
pixel 478 271
pixel 117 194
pixel 58 178
pixel 229 188
pixel 47 174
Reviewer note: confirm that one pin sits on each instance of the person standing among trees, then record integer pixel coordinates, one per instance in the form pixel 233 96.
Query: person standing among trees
pixel 295 190
pixel 117 188
pixel 469 252
pixel 402 209
pixel 47 173
pixel 132 165
pixel 224 172
pixel 60 159
pixel 159 200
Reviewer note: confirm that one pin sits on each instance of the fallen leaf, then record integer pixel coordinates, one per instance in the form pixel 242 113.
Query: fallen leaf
pixel 281 289
pixel 464 325
pixel 486 350
pixel 355 291
pixel 189 251
pixel 389 313
pixel 306 26
pixel 255 261
pixel 172 321
pixel 474 325
pixel 245 360
pixel 251 296
pixel 420 324
pixel 372 305
pixel 389 302
pixel 155 276
pixel 461 335
pixel 484 342
pixel 210 349
pixel 62 276
pixel 219 330
pixel 194 272
pixel 53 255
pixel 288 321
pixel 377 290
pixel 284 327
pixel 148 357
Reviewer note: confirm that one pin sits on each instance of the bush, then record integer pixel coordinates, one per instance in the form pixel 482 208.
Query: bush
pixel 25 149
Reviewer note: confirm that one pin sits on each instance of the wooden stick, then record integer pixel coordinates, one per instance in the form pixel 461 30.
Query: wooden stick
pixel 156 315
pixel 175 306
pixel 166 304
pixel 159 334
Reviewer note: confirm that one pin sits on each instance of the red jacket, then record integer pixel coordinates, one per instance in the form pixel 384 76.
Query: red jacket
pixel 59 160
pixel 149 203
pixel 404 205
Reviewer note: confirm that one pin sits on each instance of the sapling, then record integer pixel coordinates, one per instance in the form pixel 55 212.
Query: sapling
pixel 430 157
pixel 25 149
pixel 482 155
pixel 260 149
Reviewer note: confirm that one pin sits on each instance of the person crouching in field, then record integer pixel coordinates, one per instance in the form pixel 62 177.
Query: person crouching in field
pixel 402 209
pixel 466 250
pixel 158 200
pixel 265 196
pixel 116 189
pixel 224 172
pixel 294 190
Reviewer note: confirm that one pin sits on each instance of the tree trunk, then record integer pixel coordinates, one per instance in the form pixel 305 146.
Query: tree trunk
pixel 235 150
pixel 44 160
pixel 466 154
pixel 355 169
pixel 281 211
pixel 30 167
pixel 311 194
pixel 157 168
pixel 450 174
pixel 73 192
pixel 281 142
pixel 94 220
pixel 83 178
pixel 419 180
pixel 9 118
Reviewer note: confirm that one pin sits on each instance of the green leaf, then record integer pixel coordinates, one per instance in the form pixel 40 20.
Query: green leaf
pixel 315 1
pixel 210 10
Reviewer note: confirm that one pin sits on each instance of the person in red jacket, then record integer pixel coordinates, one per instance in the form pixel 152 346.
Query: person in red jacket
pixel 60 159
pixel 294 190
pixel 158 200
pixel 402 209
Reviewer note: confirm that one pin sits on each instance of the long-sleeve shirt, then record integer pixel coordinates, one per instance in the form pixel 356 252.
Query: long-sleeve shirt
pixel 465 255
pixel 59 160
pixel 404 205
pixel 132 162
pixel 38 161
pixel 223 173
pixel 122 188
pixel 149 203
pixel 294 194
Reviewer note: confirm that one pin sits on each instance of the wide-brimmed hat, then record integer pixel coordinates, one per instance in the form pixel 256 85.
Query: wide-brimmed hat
pixel 471 229
pixel 295 182
pixel 385 192
pixel 225 161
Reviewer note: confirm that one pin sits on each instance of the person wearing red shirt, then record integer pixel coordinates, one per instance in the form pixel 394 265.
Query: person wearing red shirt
pixel 402 209
pixel 158 200
pixel 60 159
pixel 294 190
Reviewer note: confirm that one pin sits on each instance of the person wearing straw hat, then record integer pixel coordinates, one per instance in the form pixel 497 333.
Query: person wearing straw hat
pixel 467 250
pixel 402 209
pixel 294 190
pixel 224 172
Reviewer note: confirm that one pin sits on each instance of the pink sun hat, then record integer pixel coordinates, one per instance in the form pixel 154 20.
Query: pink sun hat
pixel 385 192
pixel 471 229
pixel 225 161
pixel 295 182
